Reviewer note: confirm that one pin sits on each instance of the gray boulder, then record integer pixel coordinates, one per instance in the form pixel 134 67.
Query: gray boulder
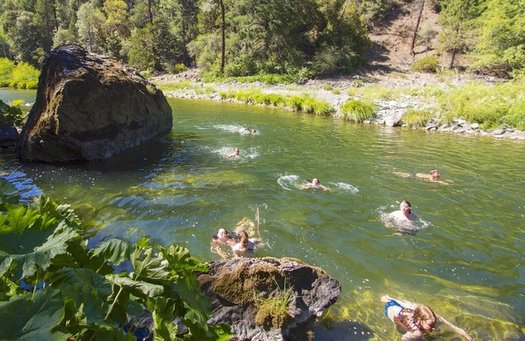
pixel 243 289
pixel 90 107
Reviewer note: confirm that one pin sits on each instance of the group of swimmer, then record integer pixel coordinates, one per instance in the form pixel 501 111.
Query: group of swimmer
pixel 241 244
pixel 415 321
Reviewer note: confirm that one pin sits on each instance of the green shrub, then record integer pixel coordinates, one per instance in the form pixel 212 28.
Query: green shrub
pixel 24 76
pixel 416 118
pixel 10 115
pixel 489 105
pixel 426 64
pixel 358 110
pixel 6 69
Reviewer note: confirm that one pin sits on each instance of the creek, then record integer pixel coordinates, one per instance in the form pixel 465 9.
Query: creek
pixel 467 262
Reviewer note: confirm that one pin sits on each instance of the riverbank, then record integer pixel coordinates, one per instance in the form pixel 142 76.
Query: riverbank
pixel 433 102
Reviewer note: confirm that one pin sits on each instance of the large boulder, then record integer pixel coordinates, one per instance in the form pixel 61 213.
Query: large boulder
pixel 90 107
pixel 268 298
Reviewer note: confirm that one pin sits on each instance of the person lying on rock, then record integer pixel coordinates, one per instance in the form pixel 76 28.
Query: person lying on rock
pixel 417 321
pixel 433 176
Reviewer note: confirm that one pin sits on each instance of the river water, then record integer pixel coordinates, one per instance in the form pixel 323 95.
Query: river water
pixel 467 262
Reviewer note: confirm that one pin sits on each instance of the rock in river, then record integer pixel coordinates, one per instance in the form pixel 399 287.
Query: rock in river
pixel 246 291
pixel 90 107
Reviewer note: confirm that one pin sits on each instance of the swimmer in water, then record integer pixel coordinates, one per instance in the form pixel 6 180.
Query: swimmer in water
pixel 250 131
pixel 245 247
pixel 433 176
pixel 314 184
pixel 222 238
pixel 417 321
pixel 235 154
pixel 404 213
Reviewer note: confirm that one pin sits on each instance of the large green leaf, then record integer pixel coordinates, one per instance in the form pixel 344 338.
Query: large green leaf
pixel 137 288
pixel 27 262
pixel 150 265
pixel 162 314
pixel 113 250
pixel 26 319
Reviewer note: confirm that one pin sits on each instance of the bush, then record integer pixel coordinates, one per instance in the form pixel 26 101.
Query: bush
pixel 6 69
pixel 357 110
pixel 426 64
pixel 24 76
pixel 10 115
pixel 489 105
pixel 416 118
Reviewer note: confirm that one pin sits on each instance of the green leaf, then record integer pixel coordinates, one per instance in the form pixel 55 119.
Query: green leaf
pixel 28 261
pixel 150 267
pixel 138 288
pixel 26 319
pixel 162 314
pixel 114 251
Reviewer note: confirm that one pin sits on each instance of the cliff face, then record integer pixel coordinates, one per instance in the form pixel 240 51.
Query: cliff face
pixel 90 107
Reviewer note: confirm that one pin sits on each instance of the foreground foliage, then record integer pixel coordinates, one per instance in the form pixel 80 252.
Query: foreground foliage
pixel 10 115
pixel 53 287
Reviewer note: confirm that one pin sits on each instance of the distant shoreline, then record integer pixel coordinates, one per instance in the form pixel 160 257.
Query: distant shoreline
pixel 336 91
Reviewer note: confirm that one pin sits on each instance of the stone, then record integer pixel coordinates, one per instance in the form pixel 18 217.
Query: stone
pixel 499 132
pixel 8 136
pixel 474 126
pixel 238 288
pixel 90 107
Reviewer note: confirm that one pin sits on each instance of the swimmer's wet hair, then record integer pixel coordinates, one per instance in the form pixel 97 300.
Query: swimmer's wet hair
pixel 432 171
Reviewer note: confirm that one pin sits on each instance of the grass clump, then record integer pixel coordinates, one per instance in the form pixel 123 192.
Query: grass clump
pixel 274 311
pixel 426 64
pixel 265 78
pixel 489 105
pixel 299 103
pixel 358 110
pixel 20 76
pixel 416 118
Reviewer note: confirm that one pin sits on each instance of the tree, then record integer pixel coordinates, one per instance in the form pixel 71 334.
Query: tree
pixel 416 28
pixel 457 20
pixel 501 43
pixel 90 26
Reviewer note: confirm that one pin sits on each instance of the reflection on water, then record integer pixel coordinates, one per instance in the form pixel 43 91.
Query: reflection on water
pixel 468 265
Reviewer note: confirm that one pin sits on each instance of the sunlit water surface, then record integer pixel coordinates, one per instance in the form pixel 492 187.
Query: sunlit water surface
pixel 467 263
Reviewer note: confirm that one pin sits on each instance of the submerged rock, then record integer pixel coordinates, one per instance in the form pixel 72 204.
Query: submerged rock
pixel 90 107
pixel 246 291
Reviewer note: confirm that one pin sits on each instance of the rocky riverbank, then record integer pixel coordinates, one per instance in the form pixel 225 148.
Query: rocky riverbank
pixel 390 109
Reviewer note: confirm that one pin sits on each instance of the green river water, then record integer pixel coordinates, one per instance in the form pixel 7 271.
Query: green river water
pixel 467 262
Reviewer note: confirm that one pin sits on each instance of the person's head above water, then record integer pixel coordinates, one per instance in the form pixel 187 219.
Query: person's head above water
pixel 424 318
pixel 316 182
pixel 405 207
pixel 434 174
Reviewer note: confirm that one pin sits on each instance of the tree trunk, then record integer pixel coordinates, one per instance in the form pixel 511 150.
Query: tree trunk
pixel 223 36
pixel 418 20
pixel 452 59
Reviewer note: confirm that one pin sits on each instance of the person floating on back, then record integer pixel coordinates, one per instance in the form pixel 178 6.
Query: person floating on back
pixel 417 321
pixel 433 176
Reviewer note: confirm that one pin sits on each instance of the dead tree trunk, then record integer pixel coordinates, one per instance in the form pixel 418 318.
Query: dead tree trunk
pixel 223 36
pixel 418 20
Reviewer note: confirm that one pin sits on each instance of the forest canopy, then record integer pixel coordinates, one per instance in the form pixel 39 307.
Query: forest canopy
pixel 248 37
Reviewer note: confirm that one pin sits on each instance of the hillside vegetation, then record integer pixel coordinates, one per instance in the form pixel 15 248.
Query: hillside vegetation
pixel 305 38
